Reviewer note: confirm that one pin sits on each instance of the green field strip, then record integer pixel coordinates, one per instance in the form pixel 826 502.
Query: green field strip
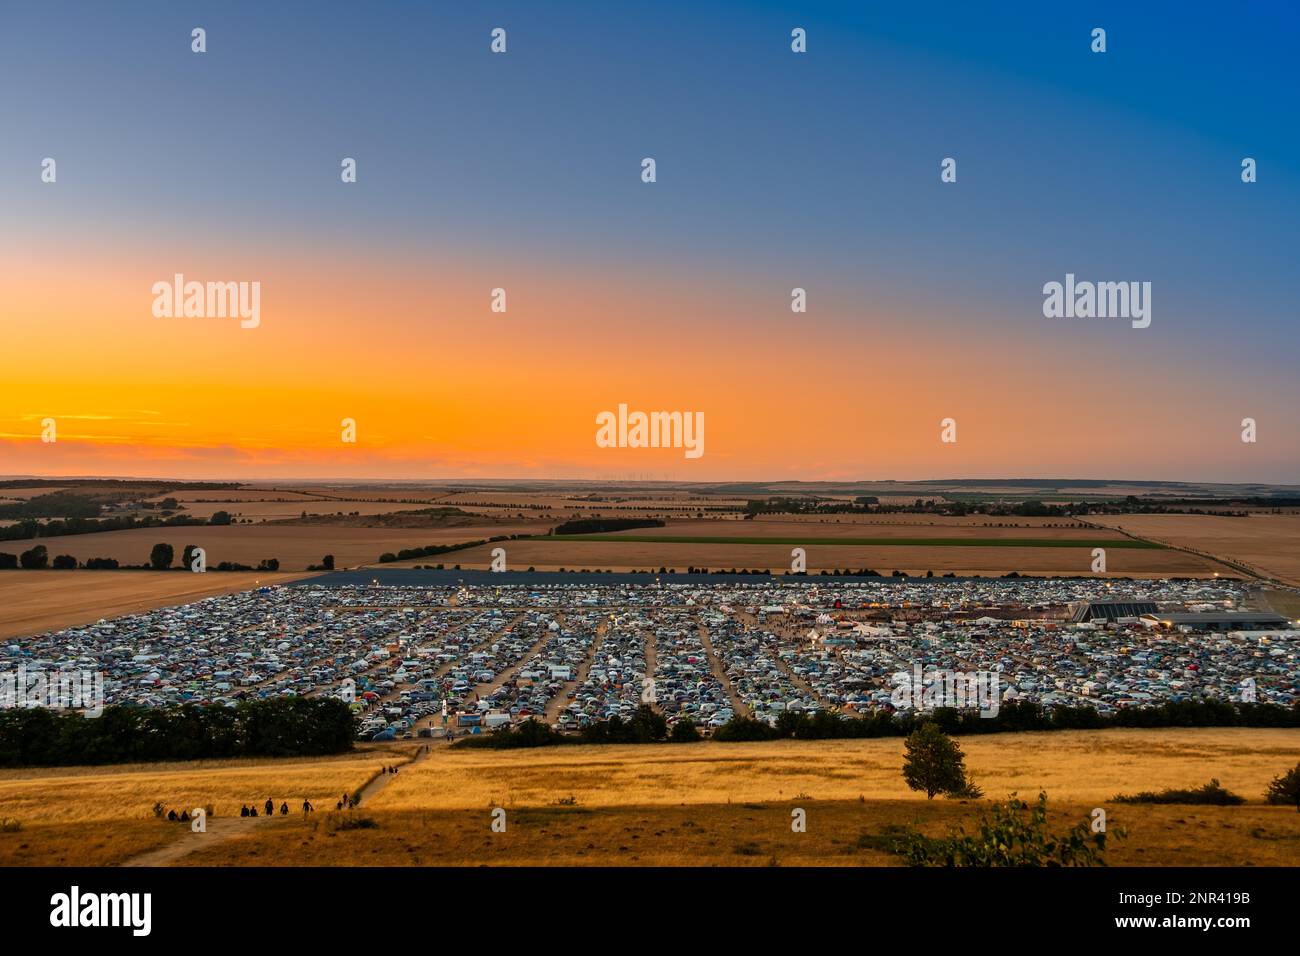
pixel 1125 543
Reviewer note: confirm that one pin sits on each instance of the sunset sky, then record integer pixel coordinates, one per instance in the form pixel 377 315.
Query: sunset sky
pixel 775 170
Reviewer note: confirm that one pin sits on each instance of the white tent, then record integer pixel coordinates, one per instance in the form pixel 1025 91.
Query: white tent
pixel 868 630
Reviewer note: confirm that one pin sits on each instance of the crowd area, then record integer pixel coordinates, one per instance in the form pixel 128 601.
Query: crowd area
pixel 450 660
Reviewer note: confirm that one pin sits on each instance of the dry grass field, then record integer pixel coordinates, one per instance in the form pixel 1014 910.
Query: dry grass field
pixel 32 602
pixel 839 833
pixel 1070 765
pixel 71 842
pixel 1264 541
pixel 697 804
pixel 98 816
pixel 129 791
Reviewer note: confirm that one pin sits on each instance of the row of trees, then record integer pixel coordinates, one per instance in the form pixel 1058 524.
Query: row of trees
pixel 645 726
pixel 161 558
pixel 33 528
pixel 1014 716
pixel 429 550
pixel 649 726
pixel 280 727
pixel 605 525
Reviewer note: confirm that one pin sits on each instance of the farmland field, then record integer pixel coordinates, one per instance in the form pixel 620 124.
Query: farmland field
pixel 295 545
pixel 626 556
pixel 693 804
pixel 942 545
pixel 1266 542
pixel 924 542
pixel 36 601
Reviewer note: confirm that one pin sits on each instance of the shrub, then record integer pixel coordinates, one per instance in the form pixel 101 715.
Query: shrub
pixel 1285 789
pixel 684 732
pixel 1211 793
pixel 1013 836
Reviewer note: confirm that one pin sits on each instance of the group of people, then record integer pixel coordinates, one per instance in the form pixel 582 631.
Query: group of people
pixel 269 809
pixel 390 769
pixel 346 802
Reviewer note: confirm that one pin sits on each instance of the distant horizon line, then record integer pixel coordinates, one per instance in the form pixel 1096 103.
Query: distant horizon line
pixel 1005 479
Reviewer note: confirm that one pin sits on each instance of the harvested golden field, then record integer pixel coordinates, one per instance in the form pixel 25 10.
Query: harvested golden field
pixel 129 791
pixel 294 545
pixel 1278 601
pixel 23 494
pixel 32 602
pixel 695 804
pixel 1270 543
pixel 617 556
pixel 1090 766
pixel 839 833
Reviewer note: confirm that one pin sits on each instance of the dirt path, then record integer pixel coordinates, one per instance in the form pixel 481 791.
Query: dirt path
pixel 435 719
pixel 384 779
pixel 715 665
pixel 219 829
pixel 651 661
pixel 790 635
pixel 561 698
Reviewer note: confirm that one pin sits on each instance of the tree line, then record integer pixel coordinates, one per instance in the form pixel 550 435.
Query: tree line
pixel 279 727
pixel 31 528
pixel 37 558
pixel 648 726
pixel 604 525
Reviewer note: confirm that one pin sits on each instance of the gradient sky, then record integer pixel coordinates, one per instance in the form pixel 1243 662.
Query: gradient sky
pixel 775 170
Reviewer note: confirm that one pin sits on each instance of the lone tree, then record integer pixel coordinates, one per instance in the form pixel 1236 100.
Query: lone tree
pixel 933 762
pixel 160 558
pixel 1286 788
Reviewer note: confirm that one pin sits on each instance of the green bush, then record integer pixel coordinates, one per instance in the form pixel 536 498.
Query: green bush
pixel 1013 836
pixel 684 732
pixel 1211 793
pixel 1286 789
